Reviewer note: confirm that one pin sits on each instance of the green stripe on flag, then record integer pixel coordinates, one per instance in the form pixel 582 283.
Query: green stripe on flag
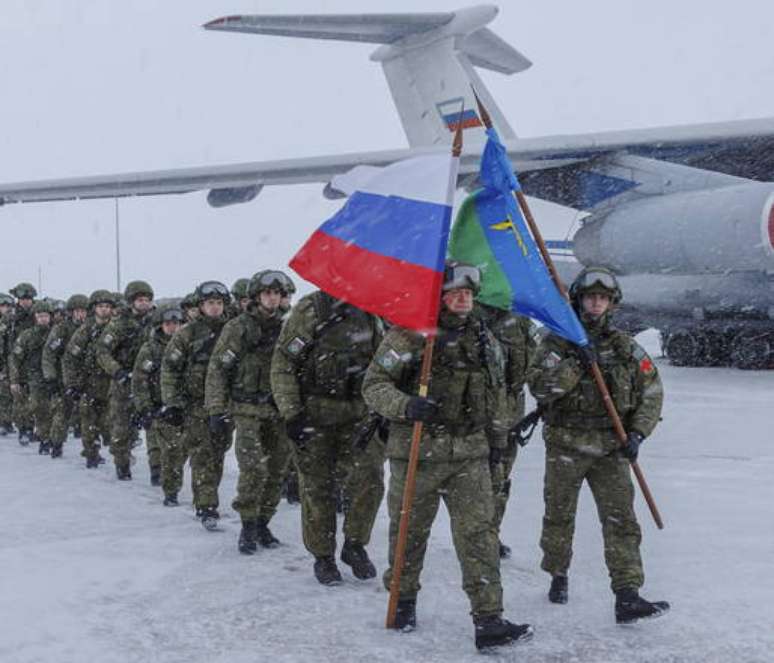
pixel 468 243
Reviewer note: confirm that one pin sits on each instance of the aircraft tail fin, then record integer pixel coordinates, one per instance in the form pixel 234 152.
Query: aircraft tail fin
pixel 429 60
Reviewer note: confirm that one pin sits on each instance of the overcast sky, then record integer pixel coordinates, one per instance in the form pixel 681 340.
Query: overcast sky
pixel 92 87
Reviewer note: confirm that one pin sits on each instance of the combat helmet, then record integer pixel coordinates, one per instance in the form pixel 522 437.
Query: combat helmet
pixel 42 306
pixel 167 312
pixel 595 279
pixel 461 275
pixel 212 290
pixel 272 279
pixel 136 289
pixel 239 289
pixel 77 301
pixel 189 301
pixel 24 290
pixel 6 299
pixel 102 297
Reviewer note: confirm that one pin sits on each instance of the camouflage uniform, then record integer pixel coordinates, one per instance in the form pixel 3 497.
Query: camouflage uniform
pixel 26 371
pixel 316 376
pixel 22 320
pixel 581 444
pixel 166 451
pixel 61 405
pixel 468 383
pixel 183 375
pixel 116 351
pixel 84 377
pixel 6 398
pixel 515 335
pixel 238 382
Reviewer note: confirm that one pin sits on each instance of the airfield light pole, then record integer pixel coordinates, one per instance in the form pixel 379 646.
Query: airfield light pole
pixel 118 249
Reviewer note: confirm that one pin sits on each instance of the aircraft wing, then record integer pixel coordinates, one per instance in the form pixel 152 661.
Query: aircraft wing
pixel 741 149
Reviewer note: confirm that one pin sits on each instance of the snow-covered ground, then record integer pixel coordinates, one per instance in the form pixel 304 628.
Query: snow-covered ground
pixel 96 570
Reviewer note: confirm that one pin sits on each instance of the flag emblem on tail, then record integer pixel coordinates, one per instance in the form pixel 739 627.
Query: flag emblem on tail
pixel 454 114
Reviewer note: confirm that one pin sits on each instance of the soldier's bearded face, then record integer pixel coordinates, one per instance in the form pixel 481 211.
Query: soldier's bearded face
pixel 142 304
pixel 459 301
pixel 25 302
pixel 212 308
pixel 595 304
pixel 270 299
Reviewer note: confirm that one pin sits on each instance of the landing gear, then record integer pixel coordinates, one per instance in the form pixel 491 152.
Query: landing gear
pixel 747 346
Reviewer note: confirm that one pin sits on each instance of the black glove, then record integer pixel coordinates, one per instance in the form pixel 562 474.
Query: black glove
pixel 495 457
pixel 122 376
pixel 73 393
pixel 172 415
pixel 145 419
pixel 587 355
pixel 218 424
pixel 632 448
pixel 422 409
pixel 298 430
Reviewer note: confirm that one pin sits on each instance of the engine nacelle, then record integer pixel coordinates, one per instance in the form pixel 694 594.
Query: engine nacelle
pixel 695 232
pixel 233 195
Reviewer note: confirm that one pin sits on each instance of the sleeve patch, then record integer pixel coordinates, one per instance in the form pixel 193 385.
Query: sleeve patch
pixel 296 346
pixel 389 360
pixel 646 365
pixel 552 360
pixel 108 339
pixel 228 358
pixel 148 365
pixel 55 344
pixel 175 356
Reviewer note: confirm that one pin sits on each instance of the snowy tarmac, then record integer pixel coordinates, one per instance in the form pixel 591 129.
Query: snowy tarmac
pixel 96 570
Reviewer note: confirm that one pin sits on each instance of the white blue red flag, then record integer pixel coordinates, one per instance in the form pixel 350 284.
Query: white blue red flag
pixel 384 250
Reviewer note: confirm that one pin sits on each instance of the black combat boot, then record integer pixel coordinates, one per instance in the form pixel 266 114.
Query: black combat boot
pixel 248 537
pixel 210 518
pixel 630 607
pixel 56 451
pixel 557 593
pixel 406 615
pixel 155 475
pixel 77 431
pixel 505 551
pixel 290 489
pixel 170 499
pixel 25 436
pixel 92 461
pixel 265 537
pixel 494 631
pixel 355 555
pixel 44 448
pixel 123 472
pixel 326 571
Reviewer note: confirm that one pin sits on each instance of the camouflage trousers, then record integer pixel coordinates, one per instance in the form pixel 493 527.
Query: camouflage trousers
pixel 325 461
pixel 262 451
pixel 206 458
pixel 6 401
pixel 61 415
pixel 466 489
pixel 153 448
pixel 95 425
pixel 40 408
pixel 501 484
pixel 22 409
pixel 173 455
pixel 122 432
pixel 611 485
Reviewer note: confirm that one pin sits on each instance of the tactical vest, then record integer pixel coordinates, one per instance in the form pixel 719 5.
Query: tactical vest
pixel 132 334
pixel 152 365
pixel 203 334
pixel 467 378
pixel 31 370
pixel 583 407
pixel 252 383
pixel 65 330
pixel 342 346
pixel 97 381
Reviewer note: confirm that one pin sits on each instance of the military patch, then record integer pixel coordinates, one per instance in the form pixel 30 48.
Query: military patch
pixel 108 339
pixel 75 350
pixel 552 360
pixel 644 360
pixel 389 360
pixel 296 346
pixel 227 358
pixel 55 344
pixel 148 366
pixel 175 356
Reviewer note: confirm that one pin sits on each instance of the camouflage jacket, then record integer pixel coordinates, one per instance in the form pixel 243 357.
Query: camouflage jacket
pixel 516 336
pixel 80 369
pixel 146 374
pixel 575 414
pixel 54 350
pixel 467 380
pixel 320 360
pixel 120 342
pixel 184 364
pixel 238 375
pixel 6 344
pixel 24 366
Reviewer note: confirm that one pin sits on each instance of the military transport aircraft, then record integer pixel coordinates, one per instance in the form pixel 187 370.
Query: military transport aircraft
pixel 685 215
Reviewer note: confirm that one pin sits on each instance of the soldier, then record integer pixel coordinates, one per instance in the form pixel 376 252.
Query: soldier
pixel 462 435
pixel 22 320
pixel 183 375
pixel 26 373
pixel 190 306
pixel 61 406
pixel 515 335
pixel 316 376
pixel 116 351
pixel 239 385
pixel 239 291
pixel 166 451
pixel 86 384
pixel 6 399
pixel 581 443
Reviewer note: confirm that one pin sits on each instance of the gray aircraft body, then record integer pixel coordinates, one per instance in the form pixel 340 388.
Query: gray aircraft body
pixel 684 215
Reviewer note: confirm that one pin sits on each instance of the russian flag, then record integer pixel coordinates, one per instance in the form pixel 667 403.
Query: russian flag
pixel 384 250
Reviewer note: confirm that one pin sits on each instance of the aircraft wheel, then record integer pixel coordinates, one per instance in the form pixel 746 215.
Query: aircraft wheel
pixel 716 350
pixel 750 350
pixel 684 347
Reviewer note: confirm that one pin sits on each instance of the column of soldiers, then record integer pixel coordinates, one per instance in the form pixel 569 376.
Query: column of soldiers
pixel 323 391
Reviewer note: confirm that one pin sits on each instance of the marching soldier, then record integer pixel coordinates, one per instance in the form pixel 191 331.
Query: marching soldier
pixel 190 306
pixel 116 351
pixel 22 320
pixel 6 399
pixel 239 386
pixel 582 445
pixel 53 351
pixel 316 375
pixel 183 375
pixel 240 295
pixel 166 451
pixel 461 436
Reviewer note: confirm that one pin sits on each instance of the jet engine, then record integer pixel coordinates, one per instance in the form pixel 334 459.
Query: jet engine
pixel 233 195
